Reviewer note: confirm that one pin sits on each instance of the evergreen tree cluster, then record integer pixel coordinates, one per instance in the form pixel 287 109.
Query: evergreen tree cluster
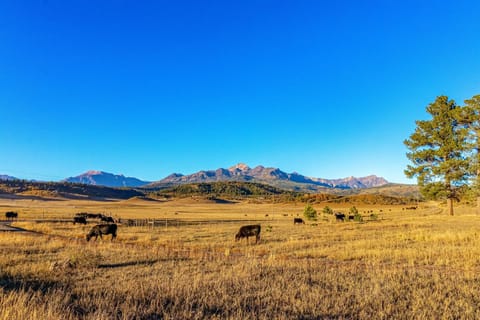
pixel 230 189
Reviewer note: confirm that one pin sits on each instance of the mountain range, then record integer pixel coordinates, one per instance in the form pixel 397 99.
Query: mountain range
pixel 240 172
pixel 271 176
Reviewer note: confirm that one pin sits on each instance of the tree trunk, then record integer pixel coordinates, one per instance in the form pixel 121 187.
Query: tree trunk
pixel 478 205
pixel 450 206
pixel 478 182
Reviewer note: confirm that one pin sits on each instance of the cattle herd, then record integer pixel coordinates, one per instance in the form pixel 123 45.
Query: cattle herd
pixel 109 227
pixel 100 229
pixel 82 217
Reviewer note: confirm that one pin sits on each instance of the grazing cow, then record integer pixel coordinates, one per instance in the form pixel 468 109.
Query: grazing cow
pixel 100 229
pixel 81 220
pixel 249 231
pixel 339 216
pixel 298 221
pixel 10 215
pixel 107 219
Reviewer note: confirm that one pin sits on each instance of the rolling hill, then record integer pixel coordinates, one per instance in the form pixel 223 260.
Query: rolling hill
pixel 220 192
pixel 28 189
pixel 237 190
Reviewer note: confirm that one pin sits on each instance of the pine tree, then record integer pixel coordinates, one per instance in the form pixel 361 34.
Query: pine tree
pixel 472 112
pixel 438 151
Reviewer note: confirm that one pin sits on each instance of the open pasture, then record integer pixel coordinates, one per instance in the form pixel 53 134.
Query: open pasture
pixel 405 264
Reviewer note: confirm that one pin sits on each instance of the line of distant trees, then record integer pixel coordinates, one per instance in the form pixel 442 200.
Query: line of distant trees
pixel 230 189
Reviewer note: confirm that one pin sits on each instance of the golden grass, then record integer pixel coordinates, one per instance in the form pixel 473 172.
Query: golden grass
pixel 419 264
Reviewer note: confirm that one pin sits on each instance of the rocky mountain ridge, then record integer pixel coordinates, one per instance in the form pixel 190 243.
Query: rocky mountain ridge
pixel 273 176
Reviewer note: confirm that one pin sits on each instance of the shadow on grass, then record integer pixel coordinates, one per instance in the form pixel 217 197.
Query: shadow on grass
pixel 10 228
pixel 137 263
pixel 9 283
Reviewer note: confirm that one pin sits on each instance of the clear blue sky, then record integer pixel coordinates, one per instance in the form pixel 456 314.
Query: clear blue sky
pixel 329 89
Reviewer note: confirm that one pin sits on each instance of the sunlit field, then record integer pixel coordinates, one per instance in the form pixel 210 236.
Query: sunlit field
pixel 184 263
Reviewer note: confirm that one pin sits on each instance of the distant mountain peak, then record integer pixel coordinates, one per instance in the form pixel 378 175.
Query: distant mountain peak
pixel 240 166
pixel 101 178
pixel 5 177
pixel 92 173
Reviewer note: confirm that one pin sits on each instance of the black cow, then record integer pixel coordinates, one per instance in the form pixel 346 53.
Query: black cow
pixel 94 215
pixel 107 219
pixel 100 229
pixel 81 220
pixel 339 216
pixel 249 231
pixel 81 215
pixel 10 215
pixel 298 221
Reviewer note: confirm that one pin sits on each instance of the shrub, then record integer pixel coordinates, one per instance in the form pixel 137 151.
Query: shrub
pixel 309 212
pixel 358 217
pixel 327 210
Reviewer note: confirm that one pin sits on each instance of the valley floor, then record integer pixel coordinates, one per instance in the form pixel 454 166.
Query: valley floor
pixel 399 263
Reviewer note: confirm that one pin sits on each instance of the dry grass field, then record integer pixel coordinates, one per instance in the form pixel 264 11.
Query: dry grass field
pixel 405 264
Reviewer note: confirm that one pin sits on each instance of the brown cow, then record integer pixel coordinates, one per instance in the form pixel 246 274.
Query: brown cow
pixel 100 229
pixel 249 231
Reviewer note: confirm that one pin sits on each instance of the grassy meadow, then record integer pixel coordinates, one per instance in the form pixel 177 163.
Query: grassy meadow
pixel 404 264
